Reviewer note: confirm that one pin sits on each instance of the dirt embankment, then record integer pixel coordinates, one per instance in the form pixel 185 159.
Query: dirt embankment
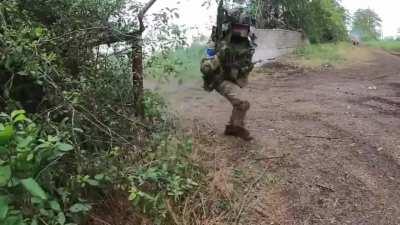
pixel 327 147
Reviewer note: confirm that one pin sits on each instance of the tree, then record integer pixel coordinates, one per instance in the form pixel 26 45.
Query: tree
pixel 366 24
pixel 137 62
pixel 321 20
pixel 326 21
pixel 279 13
pixel 84 25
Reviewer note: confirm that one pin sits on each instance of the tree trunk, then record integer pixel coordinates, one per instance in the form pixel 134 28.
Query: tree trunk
pixel 137 78
pixel 137 64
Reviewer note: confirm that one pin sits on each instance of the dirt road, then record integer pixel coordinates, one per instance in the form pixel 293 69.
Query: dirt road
pixel 327 147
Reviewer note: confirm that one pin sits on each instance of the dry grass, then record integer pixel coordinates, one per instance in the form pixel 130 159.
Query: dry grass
pixel 232 190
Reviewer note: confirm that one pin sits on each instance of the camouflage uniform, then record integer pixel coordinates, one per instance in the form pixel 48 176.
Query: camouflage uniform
pixel 234 94
pixel 227 72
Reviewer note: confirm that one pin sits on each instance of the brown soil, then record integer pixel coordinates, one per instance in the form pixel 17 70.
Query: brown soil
pixel 327 148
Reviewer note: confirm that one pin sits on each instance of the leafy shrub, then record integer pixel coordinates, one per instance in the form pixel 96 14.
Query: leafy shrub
pixel 168 177
pixel 26 152
pixel 154 106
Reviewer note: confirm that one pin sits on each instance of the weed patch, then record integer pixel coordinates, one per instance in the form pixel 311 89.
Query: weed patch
pixel 387 45
pixel 328 55
pixel 320 54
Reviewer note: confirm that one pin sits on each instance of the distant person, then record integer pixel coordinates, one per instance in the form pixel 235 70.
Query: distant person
pixel 229 62
pixel 355 41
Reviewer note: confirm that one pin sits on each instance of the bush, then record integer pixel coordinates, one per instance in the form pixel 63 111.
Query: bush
pixel 30 190
pixel 169 178
pixel 40 186
pixel 84 139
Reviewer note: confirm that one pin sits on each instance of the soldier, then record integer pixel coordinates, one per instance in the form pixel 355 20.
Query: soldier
pixel 228 64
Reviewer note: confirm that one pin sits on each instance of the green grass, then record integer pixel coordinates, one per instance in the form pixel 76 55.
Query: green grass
pixel 321 54
pixel 182 64
pixel 388 45
pixel 191 58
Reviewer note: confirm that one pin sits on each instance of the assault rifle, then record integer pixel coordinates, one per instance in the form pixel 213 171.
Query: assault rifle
pixel 220 21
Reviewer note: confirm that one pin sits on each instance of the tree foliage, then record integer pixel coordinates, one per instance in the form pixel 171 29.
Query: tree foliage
pixel 366 25
pixel 321 20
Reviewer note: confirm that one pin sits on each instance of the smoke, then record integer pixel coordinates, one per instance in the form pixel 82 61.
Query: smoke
pixel 356 35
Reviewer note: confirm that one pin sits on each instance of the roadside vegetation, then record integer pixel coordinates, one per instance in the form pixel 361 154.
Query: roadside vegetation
pixel 366 27
pixel 322 54
pixel 387 45
pixel 328 55
pixel 72 143
pixel 182 63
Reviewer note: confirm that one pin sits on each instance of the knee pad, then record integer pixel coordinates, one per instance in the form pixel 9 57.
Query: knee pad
pixel 243 105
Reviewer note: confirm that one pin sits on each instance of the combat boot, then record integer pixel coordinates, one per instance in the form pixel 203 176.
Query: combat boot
pixel 239 132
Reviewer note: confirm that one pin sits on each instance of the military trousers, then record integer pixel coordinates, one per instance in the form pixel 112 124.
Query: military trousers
pixel 233 93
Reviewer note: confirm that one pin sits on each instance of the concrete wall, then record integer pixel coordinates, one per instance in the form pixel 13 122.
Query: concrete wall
pixel 273 43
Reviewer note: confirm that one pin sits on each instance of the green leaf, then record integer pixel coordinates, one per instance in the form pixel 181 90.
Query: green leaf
pixel 93 182
pixel 34 188
pixel 5 175
pixel 99 177
pixel 14 220
pixel 79 207
pixel 24 142
pixel 54 205
pixel 38 31
pixel 6 134
pixel 34 222
pixel 43 146
pixel 19 118
pixel 22 73
pixel 61 218
pixel 3 208
pixel 30 157
pixel 64 147
pixel 17 113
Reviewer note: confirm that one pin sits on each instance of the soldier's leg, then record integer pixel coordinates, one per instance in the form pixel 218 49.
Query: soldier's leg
pixel 234 94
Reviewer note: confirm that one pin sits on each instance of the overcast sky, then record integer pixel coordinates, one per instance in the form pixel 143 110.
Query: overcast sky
pixel 388 10
pixel 193 15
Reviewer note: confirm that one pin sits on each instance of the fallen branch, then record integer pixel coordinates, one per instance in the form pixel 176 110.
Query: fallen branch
pixel 245 197
pixel 99 220
pixel 172 213
pixel 325 188
pixel 322 137
pixel 272 157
